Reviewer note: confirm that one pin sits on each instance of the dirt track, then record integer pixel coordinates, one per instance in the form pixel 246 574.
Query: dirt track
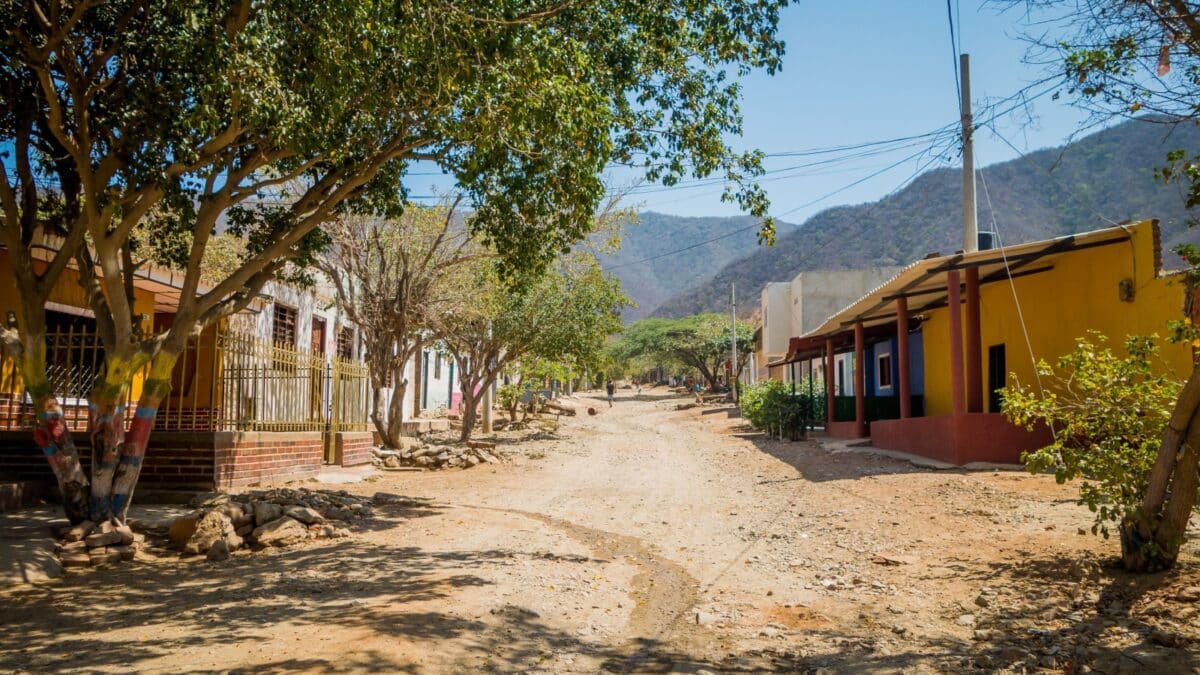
pixel 646 539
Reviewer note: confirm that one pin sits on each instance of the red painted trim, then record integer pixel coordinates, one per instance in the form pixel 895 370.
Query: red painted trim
pixel 960 439
pixel 974 347
pixel 860 381
pixel 954 293
pixel 829 380
pixel 902 357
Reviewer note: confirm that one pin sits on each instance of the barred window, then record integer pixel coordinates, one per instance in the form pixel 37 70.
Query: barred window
pixel 345 342
pixel 283 328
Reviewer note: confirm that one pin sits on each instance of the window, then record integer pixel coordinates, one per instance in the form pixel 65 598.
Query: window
pixel 841 377
pixel 437 365
pixel 318 335
pixel 997 374
pixel 283 328
pixel 885 371
pixel 345 342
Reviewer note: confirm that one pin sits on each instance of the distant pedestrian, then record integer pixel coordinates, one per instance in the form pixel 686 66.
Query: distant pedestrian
pixel 697 388
pixel 611 388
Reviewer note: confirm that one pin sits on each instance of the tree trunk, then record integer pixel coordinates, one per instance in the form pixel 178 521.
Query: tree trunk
pixel 379 413
pixel 1151 538
pixel 395 422
pixel 106 431
pixel 468 414
pixel 54 439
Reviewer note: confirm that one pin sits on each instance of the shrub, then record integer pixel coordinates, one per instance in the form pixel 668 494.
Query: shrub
pixel 1108 412
pixel 770 405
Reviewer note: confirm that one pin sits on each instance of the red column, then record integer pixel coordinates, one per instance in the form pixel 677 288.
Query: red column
pixel 902 357
pixel 860 382
pixel 974 347
pixel 954 291
pixel 829 381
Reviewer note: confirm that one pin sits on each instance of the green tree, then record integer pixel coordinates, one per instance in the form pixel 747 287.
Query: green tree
pixel 1108 411
pixel 1131 57
pixel 561 315
pixel 273 117
pixel 702 341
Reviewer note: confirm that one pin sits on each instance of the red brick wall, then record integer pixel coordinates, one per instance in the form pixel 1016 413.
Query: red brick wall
pixel 352 448
pixel 255 458
pixel 175 460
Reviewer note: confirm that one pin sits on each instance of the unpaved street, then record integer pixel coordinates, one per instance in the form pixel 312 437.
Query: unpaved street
pixel 646 539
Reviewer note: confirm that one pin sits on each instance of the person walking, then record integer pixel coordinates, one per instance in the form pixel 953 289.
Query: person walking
pixel 697 388
pixel 611 388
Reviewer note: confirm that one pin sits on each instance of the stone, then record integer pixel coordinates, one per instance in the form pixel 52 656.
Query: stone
pixel 265 512
pixel 281 532
pixel 183 527
pixel 209 499
pixel 78 532
pixel 471 460
pixel 124 552
pixel 304 514
pixel 102 539
pixel 103 556
pixel 218 551
pixel 393 462
pixel 1188 594
pixel 77 559
pixel 982 600
pixel 341 532
pixel 424 460
pixel 424 452
pixel 705 618
pixel 71 547
pixel 966 620
pixel 244 530
pixel 126 533
pixel 239 514
pixel 213 526
pixel 481 445
pixel 442 457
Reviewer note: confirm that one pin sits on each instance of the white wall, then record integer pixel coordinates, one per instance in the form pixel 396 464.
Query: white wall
pixel 776 316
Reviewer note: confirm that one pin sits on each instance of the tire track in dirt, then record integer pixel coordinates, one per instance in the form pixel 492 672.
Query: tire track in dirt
pixel 663 592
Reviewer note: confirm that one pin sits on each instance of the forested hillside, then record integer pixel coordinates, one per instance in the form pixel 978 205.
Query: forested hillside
pixel 1105 177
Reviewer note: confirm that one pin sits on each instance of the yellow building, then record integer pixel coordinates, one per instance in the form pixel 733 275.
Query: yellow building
pixel 931 347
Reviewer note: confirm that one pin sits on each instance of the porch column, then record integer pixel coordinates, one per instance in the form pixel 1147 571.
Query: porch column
pixel 902 357
pixel 954 300
pixel 860 382
pixel 974 348
pixel 829 382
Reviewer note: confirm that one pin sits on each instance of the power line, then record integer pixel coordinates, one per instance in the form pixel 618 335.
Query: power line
pixel 954 54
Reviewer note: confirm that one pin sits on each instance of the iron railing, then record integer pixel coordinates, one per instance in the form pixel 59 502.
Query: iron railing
pixel 223 381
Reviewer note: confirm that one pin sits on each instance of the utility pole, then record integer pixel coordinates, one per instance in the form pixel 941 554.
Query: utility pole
pixel 970 226
pixel 733 343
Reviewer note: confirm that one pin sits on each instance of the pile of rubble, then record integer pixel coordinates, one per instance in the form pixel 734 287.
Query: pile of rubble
pixel 276 517
pixel 466 456
pixel 90 543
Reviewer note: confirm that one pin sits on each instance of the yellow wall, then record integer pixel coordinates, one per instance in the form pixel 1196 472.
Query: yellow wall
pixel 1080 294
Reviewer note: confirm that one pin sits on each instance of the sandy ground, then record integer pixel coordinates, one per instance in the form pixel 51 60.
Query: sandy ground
pixel 646 539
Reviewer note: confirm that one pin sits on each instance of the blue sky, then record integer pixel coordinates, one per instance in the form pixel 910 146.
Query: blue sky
pixel 863 70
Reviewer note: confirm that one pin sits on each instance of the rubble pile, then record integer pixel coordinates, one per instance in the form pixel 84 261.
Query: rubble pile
pixel 90 543
pixel 277 517
pixel 466 456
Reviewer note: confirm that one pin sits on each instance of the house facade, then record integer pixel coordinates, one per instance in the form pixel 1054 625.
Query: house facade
pixel 268 395
pixel 930 349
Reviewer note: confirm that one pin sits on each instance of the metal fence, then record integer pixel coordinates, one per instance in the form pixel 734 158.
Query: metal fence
pixel 223 381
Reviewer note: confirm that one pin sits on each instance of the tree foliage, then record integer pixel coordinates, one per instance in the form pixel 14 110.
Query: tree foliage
pixel 702 341
pixel 271 118
pixel 770 405
pixel 1108 410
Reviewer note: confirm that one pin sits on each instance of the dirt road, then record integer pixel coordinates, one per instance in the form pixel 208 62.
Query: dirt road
pixel 646 539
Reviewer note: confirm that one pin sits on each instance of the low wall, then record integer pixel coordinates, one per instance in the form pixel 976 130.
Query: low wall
pixel 175 460
pixel 351 448
pixel 258 457
pixel 961 439
pixel 844 429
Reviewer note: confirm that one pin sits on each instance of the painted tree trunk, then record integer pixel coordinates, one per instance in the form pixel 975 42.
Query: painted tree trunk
pixel 1152 537
pixel 395 422
pixel 106 431
pixel 54 438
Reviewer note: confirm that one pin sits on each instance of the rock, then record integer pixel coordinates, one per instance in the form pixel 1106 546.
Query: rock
pixel 77 559
pixel 78 532
pixel 341 532
pixel 966 620
pixel 239 514
pixel 102 539
pixel 471 460
pixel 304 514
pixel 481 445
pixel 183 527
pixel 103 556
pixel 899 630
pixel 982 600
pixel 392 498
pixel 424 460
pixel 212 527
pixel 1188 594
pixel 422 452
pixel 281 532
pixel 265 512
pixel 244 530
pixel 442 457
pixel 392 462
pixel 218 551
pixel 124 552
pixel 1167 639
pixel 705 618
pixel 126 533
pixel 209 499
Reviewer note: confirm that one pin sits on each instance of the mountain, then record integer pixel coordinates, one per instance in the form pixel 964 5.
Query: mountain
pixel 658 234
pixel 1098 180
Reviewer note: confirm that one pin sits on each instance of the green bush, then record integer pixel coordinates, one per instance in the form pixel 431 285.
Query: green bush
pixel 770 405
pixel 1108 412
